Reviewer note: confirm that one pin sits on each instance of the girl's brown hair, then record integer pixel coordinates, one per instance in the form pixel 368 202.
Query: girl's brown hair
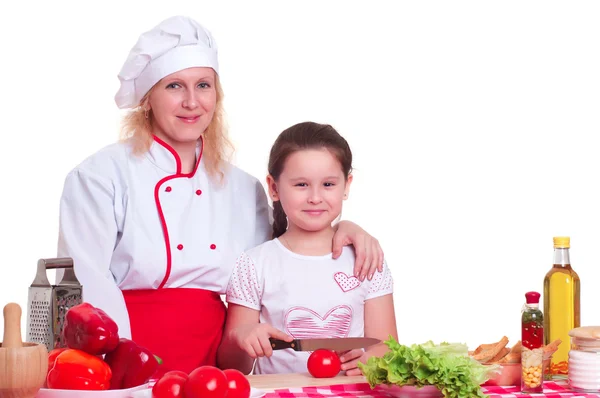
pixel 137 126
pixel 302 136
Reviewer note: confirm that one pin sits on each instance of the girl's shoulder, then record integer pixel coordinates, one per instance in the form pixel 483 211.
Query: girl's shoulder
pixel 258 258
pixel 262 251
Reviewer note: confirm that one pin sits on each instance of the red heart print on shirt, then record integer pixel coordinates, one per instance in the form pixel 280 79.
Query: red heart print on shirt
pixel 345 282
pixel 304 323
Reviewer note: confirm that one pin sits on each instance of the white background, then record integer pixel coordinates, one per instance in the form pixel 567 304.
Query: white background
pixel 473 125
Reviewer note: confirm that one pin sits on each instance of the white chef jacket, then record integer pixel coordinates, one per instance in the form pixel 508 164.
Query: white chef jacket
pixel 127 219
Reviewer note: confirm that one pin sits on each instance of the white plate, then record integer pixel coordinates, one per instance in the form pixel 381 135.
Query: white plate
pixel 147 393
pixel 254 393
pixel 125 393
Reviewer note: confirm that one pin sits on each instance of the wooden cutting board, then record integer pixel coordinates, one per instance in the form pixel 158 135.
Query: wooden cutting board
pixel 277 381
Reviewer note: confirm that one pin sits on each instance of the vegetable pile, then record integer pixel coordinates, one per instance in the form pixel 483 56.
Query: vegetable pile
pixel 446 366
pixel 95 357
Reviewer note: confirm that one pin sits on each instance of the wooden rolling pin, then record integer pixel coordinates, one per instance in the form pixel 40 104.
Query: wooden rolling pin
pixel 277 381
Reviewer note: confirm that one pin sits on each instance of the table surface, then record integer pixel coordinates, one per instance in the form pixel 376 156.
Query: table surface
pixel 306 386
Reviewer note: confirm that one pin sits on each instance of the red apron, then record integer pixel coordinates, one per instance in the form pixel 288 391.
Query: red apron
pixel 181 326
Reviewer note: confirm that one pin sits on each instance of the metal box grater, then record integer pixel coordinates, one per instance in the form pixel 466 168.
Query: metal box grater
pixel 48 303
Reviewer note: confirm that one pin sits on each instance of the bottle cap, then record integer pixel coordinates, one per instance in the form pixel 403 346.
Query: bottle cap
pixel 562 242
pixel 532 297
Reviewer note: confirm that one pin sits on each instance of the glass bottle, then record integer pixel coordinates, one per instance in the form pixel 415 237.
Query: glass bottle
pixel 561 307
pixel 532 338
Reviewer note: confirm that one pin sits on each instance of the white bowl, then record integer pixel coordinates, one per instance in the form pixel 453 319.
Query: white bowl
pixel 125 393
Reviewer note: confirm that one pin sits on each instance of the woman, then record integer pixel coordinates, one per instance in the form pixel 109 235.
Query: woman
pixel 154 223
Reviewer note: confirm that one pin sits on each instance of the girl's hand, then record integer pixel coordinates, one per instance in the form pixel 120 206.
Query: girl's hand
pixel 369 255
pixel 254 339
pixel 350 361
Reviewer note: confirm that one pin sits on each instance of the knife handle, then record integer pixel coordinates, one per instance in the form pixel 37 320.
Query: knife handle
pixel 280 344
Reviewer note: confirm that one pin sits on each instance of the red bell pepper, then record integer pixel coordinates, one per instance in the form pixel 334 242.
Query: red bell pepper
pixel 78 370
pixel 90 329
pixel 52 356
pixel 132 365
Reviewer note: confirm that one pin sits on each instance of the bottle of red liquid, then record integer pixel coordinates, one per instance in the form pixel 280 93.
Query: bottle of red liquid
pixel 532 338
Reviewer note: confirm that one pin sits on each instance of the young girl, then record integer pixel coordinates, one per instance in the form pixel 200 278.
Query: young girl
pixel 290 287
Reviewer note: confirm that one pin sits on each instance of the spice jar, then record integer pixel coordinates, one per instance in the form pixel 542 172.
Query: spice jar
pixel 584 359
pixel 532 336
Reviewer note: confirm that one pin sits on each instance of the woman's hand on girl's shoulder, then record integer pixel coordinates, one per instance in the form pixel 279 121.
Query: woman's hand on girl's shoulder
pixel 369 255
pixel 254 339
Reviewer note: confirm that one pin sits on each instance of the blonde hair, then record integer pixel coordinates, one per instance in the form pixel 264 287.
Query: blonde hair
pixel 137 128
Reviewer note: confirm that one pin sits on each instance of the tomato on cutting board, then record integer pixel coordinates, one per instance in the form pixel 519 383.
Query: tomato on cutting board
pixel 206 382
pixel 324 363
pixel 170 385
pixel 238 385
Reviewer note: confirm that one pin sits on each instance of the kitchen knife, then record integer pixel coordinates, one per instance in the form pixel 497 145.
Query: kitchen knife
pixel 338 344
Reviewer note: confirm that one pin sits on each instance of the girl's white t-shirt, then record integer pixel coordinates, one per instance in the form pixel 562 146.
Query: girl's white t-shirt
pixel 304 296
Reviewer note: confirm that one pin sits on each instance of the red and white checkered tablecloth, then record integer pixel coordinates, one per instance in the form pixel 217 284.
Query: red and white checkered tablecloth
pixel 551 390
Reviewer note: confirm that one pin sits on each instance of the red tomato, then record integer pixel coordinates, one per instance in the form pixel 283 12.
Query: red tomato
pixel 324 363
pixel 206 382
pixel 238 385
pixel 170 385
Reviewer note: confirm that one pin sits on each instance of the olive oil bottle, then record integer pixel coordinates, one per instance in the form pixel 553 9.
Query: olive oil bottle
pixel 561 307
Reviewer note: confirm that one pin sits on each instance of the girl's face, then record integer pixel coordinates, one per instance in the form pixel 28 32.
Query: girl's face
pixel 183 105
pixel 311 189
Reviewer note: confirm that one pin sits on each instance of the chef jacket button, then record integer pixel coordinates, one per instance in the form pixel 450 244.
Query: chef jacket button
pixel 168 189
pixel 213 246
pixel 180 246
pixel 198 192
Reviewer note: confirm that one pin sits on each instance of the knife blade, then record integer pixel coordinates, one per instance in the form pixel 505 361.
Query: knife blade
pixel 336 344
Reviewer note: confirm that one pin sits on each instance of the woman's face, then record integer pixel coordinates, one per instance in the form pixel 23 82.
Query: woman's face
pixel 183 105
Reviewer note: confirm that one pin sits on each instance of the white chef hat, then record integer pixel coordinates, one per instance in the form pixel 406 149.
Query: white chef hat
pixel 176 43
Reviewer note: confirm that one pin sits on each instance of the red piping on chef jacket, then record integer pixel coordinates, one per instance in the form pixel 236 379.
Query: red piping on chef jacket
pixel 178 174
